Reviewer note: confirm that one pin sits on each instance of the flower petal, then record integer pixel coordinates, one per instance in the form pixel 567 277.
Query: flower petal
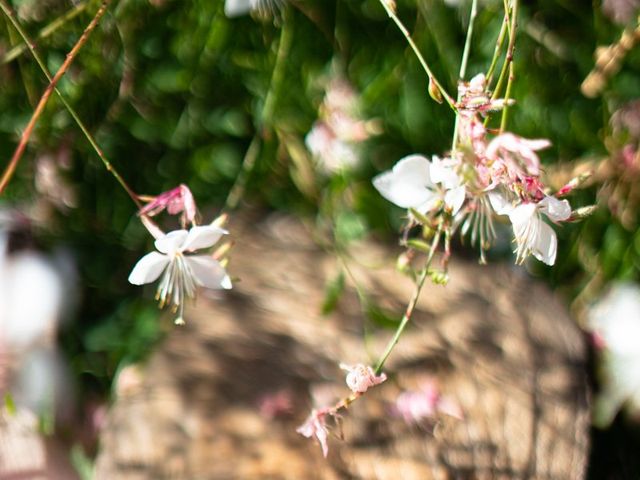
pixel 171 242
pixel 235 8
pixel 454 198
pixel 556 210
pixel 202 237
pixel 208 272
pixel 148 268
pixel 499 203
pixel 545 245
pixel 408 184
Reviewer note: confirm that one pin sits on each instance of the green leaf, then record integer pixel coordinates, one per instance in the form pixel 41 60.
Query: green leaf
pixel 333 292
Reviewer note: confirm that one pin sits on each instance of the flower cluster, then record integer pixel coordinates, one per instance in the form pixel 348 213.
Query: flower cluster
pixel 481 177
pixel 334 137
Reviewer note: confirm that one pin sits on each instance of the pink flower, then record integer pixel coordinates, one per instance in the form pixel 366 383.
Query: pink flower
pixel 276 404
pixel 315 426
pixel 516 152
pixel 416 406
pixel 361 377
pixel 177 200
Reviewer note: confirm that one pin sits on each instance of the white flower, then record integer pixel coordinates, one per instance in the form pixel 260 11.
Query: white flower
pixel 182 272
pixel 533 235
pixel 412 184
pixel 615 320
pixel 235 8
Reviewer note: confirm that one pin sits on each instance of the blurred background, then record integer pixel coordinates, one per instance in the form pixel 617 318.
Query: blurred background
pixel 293 109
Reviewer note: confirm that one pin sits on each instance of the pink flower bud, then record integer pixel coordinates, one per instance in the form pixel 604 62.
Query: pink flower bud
pixel 361 377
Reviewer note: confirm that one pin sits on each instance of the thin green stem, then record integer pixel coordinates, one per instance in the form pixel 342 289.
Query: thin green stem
pixel 496 52
pixel 266 117
pixel 30 46
pixel 26 134
pixel 52 27
pixel 463 66
pixel 414 47
pixel 509 61
pixel 412 303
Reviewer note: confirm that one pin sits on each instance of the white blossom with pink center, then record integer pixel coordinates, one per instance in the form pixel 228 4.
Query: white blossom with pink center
pixel 183 272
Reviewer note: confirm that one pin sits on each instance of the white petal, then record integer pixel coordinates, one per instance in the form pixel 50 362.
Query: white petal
pixel 545 244
pixel 148 268
pixel 208 272
pixel 171 242
pixel 521 215
pixel 455 198
pixel 442 171
pixel 408 184
pixel 203 236
pixel 235 8
pixel 556 210
pixel 499 203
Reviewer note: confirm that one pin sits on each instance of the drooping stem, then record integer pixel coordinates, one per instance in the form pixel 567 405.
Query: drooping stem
pixel 392 14
pixel 463 66
pixel 412 303
pixel 52 27
pixel 277 77
pixel 26 134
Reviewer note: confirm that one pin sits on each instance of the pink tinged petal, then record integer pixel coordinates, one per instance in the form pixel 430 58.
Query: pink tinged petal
pixel 556 210
pixel 148 268
pixel 152 228
pixel 208 272
pixel 315 426
pixel 361 377
pixel 408 184
pixel 172 242
pixel 202 237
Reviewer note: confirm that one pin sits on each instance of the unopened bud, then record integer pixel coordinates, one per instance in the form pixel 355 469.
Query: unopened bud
pixel 391 5
pixel 582 213
pixel 438 277
pixel 573 184
pixel 419 245
pixel 434 91
pixel 403 263
pixel 220 221
pixel 222 250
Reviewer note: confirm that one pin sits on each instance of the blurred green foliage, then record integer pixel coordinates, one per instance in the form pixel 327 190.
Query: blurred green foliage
pixel 175 92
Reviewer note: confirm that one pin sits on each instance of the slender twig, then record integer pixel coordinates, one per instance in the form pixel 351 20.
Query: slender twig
pixel 509 61
pixel 251 156
pixel 496 52
pixel 26 134
pixel 18 50
pixel 92 141
pixel 412 303
pixel 414 47
pixel 463 66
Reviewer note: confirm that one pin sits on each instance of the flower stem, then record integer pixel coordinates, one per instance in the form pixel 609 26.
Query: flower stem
pixel 51 28
pixel 26 134
pixel 414 47
pixel 463 66
pixel 251 156
pixel 412 303
pixel 92 141
pixel 498 48
pixel 509 61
